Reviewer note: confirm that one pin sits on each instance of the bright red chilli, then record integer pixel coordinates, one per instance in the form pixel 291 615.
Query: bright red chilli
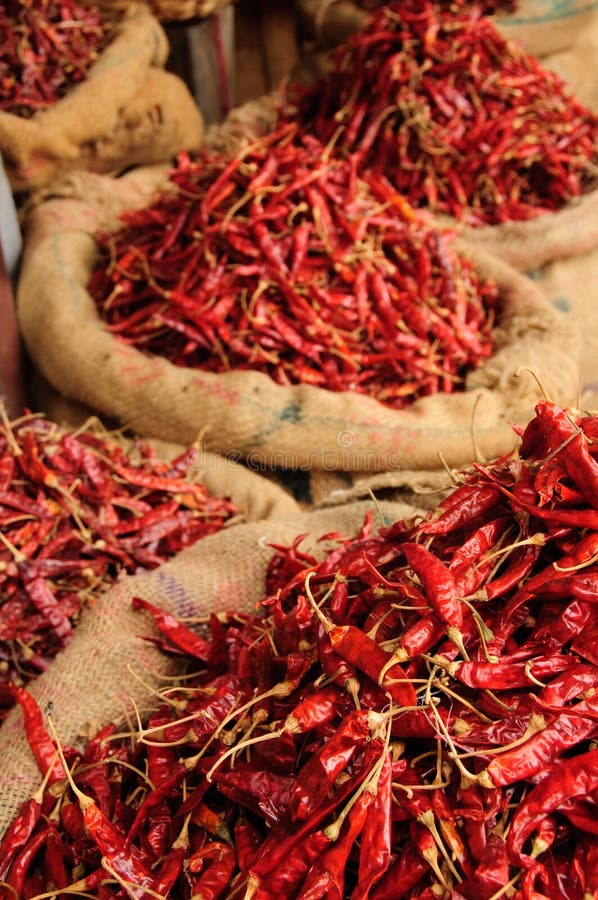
pixel 465 768
pixel 283 261
pixel 76 510
pixel 46 46
pixel 457 118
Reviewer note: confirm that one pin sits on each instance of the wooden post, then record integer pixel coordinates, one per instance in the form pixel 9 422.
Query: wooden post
pixel 202 54
pixel 12 389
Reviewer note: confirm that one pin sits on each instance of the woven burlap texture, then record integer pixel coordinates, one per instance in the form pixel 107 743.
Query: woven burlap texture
pixel 246 413
pixel 549 26
pixel 560 250
pixel 178 10
pixel 243 124
pixel 528 244
pixel 571 284
pixel 95 680
pixel 166 10
pixel 421 489
pixel 573 230
pixel 127 112
pixel 256 494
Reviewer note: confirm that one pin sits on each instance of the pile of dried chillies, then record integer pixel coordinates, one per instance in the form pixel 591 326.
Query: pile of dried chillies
pixel 77 509
pixel 46 46
pixel 459 119
pixel 415 716
pixel 285 261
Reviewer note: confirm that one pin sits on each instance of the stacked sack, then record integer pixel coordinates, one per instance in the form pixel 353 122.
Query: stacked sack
pixel 494 588
pixel 388 712
pixel 556 249
pixel 286 425
pixel 126 111
pixel 171 10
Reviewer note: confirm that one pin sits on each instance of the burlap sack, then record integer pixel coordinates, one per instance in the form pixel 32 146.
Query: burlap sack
pixel 542 26
pixel 93 681
pixel 128 111
pixel 243 124
pixel 548 26
pixel 421 489
pixel 571 285
pixel 560 250
pixel 330 22
pixel 574 229
pixel 320 487
pixel 177 10
pixel 43 398
pixel 167 10
pixel 577 66
pixel 529 244
pixel 256 495
pixel 246 413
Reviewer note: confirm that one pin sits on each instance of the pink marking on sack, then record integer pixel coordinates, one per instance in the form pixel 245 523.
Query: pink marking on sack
pixel 216 388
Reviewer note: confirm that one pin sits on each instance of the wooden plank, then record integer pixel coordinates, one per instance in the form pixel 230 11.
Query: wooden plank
pixel 250 71
pixel 279 32
pixel 202 54
pixel 258 47
pixel 12 386
pixel 12 392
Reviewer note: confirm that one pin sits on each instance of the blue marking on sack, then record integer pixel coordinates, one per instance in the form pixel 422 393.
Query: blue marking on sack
pixel 184 605
pixel 291 413
pixel 562 303
pixel 561 9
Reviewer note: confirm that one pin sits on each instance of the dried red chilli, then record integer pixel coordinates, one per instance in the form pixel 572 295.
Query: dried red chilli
pixel 459 119
pixel 269 779
pixel 75 511
pixel 280 261
pixel 45 47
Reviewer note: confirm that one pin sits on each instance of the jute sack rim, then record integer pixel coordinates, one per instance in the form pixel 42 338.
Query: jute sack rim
pixel 108 668
pixel 90 109
pixel 250 490
pixel 256 495
pixel 53 303
pixel 331 22
pixel 167 10
pixel 530 244
pixel 182 10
